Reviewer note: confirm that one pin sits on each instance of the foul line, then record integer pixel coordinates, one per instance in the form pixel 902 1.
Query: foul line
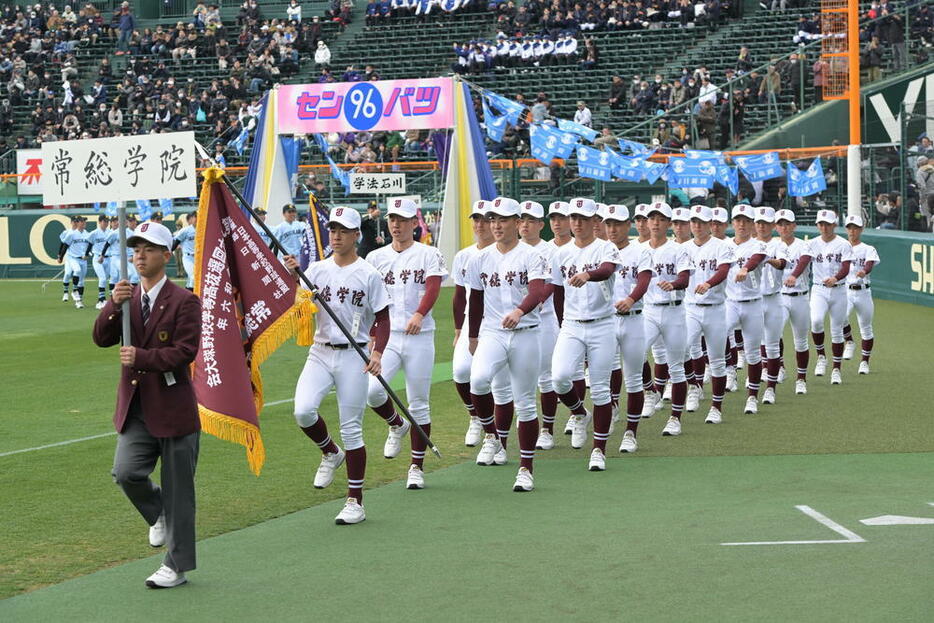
pixel 58 444
pixel 849 535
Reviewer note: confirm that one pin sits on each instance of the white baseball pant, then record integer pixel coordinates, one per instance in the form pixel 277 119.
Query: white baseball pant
pixel 861 301
pixel 101 270
pixel 341 369
pixel 188 263
pixel 773 316
pixel 508 350
pixel 747 316
pixel 549 336
pixel 832 300
pixel 462 361
pixel 75 267
pixel 798 311
pixel 630 342
pixel 666 323
pixel 580 340
pixel 709 321
pixel 415 356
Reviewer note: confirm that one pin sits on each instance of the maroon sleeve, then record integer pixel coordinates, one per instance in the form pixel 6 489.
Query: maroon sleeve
pixel 459 303
pixel 782 262
pixel 558 303
pixel 753 262
pixel 432 289
pixel 867 267
pixel 535 296
pixel 185 341
pixel 107 327
pixel 844 271
pixel 380 330
pixel 722 271
pixel 684 277
pixel 803 262
pixel 476 313
pixel 602 272
pixel 642 284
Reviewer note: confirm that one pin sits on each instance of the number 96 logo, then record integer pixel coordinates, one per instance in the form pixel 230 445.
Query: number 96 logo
pixel 363 106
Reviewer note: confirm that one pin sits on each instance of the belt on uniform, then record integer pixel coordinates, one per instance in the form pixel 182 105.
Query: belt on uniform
pixel 793 293
pixel 588 320
pixel 858 287
pixel 772 294
pixel 748 300
pixel 633 312
pixel 341 346
pixel 668 304
pixel 836 285
pixel 706 304
pixel 531 326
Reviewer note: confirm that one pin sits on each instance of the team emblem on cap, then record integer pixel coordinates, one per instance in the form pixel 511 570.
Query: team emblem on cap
pixel 398 203
pixel 144 227
pixel 580 203
pixel 612 209
pixel 338 211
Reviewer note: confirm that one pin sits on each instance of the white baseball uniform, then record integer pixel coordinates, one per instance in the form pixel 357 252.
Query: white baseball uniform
pixel 706 313
pixel 630 327
pixel 744 299
pixel 858 294
pixel 549 327
pixel 290 236
pixel 772 310
pixel 98 239
pixel 794 299
pixel 404 275
pixel 79 242
pixel 112 256
pixel 663 315
pixel 826 260
pixel 186 240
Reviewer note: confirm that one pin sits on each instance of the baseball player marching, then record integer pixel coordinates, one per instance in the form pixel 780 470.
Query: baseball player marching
pixel 681 228
pixel 507 285
pixel 98 239
pixel 858 295
pixel 653 400
pixel 772 309
pixel 356 293
pixel 795 283
pixel 831 257
pixel 185 238
pixel 412 273
pixel 76 244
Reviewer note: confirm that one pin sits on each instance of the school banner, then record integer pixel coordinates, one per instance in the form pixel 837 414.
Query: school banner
pixel 421 104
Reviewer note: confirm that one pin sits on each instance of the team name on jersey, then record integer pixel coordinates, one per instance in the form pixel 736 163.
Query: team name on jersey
pixel 708 263
pixel 830 257
pixel 665 268
pixel 494 281
pixel 570 271
pixel 626 270
pixel 417 276
pixel 356 296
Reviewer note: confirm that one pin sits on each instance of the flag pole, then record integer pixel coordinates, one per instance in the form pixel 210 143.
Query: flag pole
pixel 330 312
pixel 125 306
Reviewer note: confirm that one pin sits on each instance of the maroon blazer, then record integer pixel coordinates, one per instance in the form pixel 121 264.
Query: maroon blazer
pixel 168 343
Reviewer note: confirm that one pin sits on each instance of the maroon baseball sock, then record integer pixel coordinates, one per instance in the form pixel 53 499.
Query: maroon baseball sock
pixel 356 470
pixel 646 376
pixel 502 416
pixel 528 435
pixel 463 390
pixel 801 361
pixel 754 378
pixel 318 433
pixel 867 349
pixel 772 366
pixel 418 444
pixel 730 356
pixel 661 377
pixel 549 410
pixel 689 373
pixel 717 389
pixel 634 403
pixel 388 413
pixel 836 348
pixel 616 385
pixel 847 332
pixel 483 406
pixel 602 414
pixel 699 368
pixel 762 352
pixel 573 401
pixel 580 388
pixel 818 342
pixel 679 392
pixel 738 338
pixel 781 352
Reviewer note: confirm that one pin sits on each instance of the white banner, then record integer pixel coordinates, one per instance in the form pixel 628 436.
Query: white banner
pixel 377 183
pixel 29 171
pixel 123 168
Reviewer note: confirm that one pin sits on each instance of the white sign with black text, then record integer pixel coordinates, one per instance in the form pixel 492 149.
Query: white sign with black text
pixel 377 183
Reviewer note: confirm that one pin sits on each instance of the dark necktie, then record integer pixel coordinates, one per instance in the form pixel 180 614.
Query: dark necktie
pixel 145 309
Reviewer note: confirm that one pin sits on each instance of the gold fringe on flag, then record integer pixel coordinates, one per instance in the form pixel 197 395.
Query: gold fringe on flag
pixel 236 431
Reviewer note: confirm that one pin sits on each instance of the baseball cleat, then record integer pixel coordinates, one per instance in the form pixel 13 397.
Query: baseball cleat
pixel 693 400
pixel 848 349
pixel 597 461
pixel 666 395
pixel 351 513
pixel 835 378
pixel 740 360
pixel 545 441
pixel 579 434
pixel 648 407
pixel 801 387
pixel 416 478
pixel 500 458
pixel 569 425
pixel 713 416
pixel 820 368
pixel 157 532
pixel 629 443
pixel 65 298
pixel 491 445
pixel 752 406
pixel 781 375
pixel 79 304
pixel 474 432
pixel 100 305
pixel 166 578
pixel 672 428
pixel 329 464
pixel 863 367
pixel 394 439
pixel 524 482
pixel 731 379
pixel 74 295
pixel 768 396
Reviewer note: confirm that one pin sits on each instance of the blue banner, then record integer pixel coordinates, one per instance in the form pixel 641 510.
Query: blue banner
pixel 760 168
pixel 145 209
pixel 701 154
pixel 653 170
pixel 495 124
pixel 808 182
pixel 628 168
pixel 511 109
pixel 686 173
pixel 728 176
pixel 545 143
pixel 567 142
pixel 581 130
pixel 315 243
pixel 636 149
pixel 239 143
pixel 593 163
pixel 167 207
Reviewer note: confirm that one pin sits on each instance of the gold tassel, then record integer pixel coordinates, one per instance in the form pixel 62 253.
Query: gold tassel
pixel 236 431
pixel 306 318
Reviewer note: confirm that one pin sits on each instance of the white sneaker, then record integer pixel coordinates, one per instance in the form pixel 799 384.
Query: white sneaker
pixel 65 297
pixel 707 376
pixel 693 400
pixel 863 367
pixel 579 434
pixel 545 441
pixel 666 395
pixel 731 379
pixel 569 425
pixel 835 378
pixel 394 439
pixel 474 432
pixel 848 349
pixel 752 406
pixel 714 416
pixel 740 360
pixel 629 443
pixel 100 305
pixel 524 481
pixel 781 375
pixel 329 464
pixel 648 407
pixel 768 396
pixel 801 387
pixel 351 513
pixel 416 479
pixel 74 295
pixel 166 578
pixel 672 428
pixel 820 368
pixel 79 304
pixel 597 461
pixel 491 445
pixel 500 458
pixel 157 532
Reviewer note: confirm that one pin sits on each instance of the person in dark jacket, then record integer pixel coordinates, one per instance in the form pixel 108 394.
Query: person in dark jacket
pixel 374 231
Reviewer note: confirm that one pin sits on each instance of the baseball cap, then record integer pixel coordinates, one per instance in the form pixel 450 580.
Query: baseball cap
pixel 719 215
pixel 701 213
pixel 155 233
pixel 260 211
pixel 601 210
pixel 827 216
pixel 785 215
pixel 503 206
pixel 640 210
pixel 345 217
pixel 615 212
pixel 479 208
pixel 659 206
pixel 131 217
pixel 765 214
pixel 681 214
pixel 156 214
pixel 582 206
pixel 558 207
pixel 532 209
pixel 743 209
pixel 289 208
pixel 853 219
pixel 405 208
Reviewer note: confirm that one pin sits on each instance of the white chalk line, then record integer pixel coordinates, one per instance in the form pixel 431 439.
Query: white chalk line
pixel 849 535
